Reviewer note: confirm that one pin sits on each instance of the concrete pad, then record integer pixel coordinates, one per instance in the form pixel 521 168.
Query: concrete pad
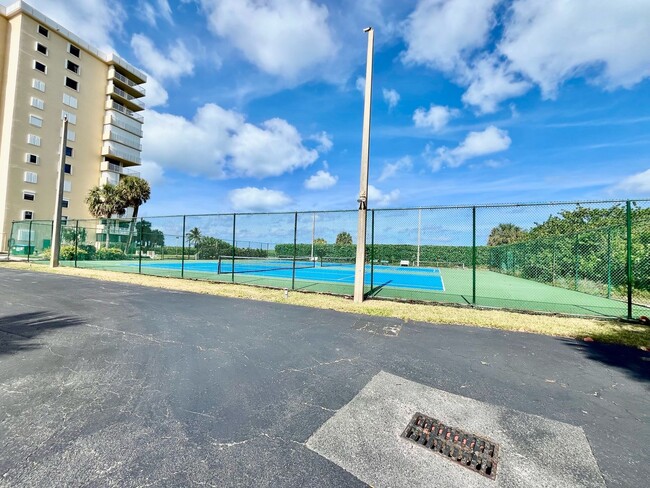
pixel 363 438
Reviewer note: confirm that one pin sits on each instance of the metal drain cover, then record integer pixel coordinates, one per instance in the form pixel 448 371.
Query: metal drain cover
pixel 471 451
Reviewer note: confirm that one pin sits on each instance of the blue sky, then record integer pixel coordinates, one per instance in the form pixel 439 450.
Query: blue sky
pixel 255 105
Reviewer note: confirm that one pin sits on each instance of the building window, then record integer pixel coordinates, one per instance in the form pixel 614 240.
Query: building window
pixel 67 169
pixel 31 158
pixel 41 48
pixel 43 31
pixel 38 103
pixel 34 140
pixel 38 84
pixel 69 100
pixel 72 66
pixel 70 83
pixel 65 203
pixel 67 186
pixel 35 121
pixel 31 177
pixel 72 135
pixel 28 215
pixel 74 50
pixel 40 67
pixel 69 151
pixel 72 118
pixel 29 196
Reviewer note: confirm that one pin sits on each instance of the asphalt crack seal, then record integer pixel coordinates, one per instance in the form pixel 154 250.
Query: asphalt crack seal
pixel 468 450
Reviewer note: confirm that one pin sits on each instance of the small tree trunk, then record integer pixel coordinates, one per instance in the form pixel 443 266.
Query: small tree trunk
pixel 106 229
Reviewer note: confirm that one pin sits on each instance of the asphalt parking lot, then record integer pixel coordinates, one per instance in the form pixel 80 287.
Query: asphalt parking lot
pixel 107 384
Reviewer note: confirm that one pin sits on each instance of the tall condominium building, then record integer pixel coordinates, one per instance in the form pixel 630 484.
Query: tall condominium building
pixel 47 73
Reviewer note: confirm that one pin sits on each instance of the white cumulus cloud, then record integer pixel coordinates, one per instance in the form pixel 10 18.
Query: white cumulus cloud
pixel 324 140
pixel 178 62
pixel 321 180
pixel 252 199
pixel 360 84
pixel 94 21
pixel 489 141
pixel 377 198
pixel 491 82
pixel 156 93
pixel 536 43
pixel 552 41
pixel 281 37
pixel 391 169
pixel 436 118
pixel 219 143
pixel 150 12
pixel 441 33
pixel 152 172
pixel 391 97
pixel 636 184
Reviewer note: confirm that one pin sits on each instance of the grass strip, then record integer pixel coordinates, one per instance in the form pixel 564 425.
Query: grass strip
pixel 602 330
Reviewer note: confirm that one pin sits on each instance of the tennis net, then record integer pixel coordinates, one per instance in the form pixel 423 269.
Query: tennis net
pixel 327 261
pixel 246 264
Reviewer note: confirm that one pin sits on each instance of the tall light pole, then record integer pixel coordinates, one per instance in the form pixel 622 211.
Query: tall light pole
pixel 360 267
pixel 58 208
pixel 417 261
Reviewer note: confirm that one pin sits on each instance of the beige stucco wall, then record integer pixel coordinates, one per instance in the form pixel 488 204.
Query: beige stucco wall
pixel 18 39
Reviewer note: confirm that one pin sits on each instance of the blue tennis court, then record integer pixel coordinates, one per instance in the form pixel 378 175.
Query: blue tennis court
pixel 420 278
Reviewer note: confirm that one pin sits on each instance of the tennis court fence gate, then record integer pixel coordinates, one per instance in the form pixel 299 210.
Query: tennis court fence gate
pixel 585 258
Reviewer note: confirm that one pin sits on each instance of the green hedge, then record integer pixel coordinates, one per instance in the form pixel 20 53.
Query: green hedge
pixel 393 253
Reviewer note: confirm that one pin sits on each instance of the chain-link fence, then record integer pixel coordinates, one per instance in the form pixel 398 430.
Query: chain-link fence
pixel 587 258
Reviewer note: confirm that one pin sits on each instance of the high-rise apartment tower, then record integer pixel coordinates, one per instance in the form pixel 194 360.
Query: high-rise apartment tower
pixel 47 73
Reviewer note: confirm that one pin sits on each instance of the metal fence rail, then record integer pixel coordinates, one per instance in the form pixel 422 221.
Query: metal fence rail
pixel 584 258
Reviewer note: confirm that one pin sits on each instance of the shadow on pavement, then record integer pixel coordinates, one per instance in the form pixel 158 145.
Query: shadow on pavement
pixel 634 362
pixel 18 332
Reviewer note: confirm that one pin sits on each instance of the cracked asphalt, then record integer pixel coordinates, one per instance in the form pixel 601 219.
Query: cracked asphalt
pixel 107 384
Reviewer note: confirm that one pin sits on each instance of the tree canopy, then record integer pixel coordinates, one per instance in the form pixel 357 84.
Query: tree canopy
pixel 344 239
pixel 505 234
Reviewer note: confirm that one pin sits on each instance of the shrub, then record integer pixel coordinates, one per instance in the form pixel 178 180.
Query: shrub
pixel 110 254
pixel 68 254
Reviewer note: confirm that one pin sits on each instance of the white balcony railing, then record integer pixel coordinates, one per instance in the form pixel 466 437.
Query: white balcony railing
pixel 133 128
pixel 126 96
pixel 112 104
pixel 116 168
pixel 113 135
pixel 123 154
pixel 126 81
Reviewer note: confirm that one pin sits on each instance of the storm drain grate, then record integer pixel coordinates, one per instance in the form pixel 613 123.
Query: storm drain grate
pixel 468 450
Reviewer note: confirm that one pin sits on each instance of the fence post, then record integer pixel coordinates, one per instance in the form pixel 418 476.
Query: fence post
pixel 473 255
pixel 577 245
pixel 553 264
pixel 295 243
pixel 630 276
pixel 76 242
pixel 183 250
pixel 140 247
pixel 11 238
pixel 29 241
pixel 609 262
pixel 372 251
pixel 234 229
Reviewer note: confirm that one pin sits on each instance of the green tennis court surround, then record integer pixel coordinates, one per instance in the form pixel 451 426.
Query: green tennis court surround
pixel 585 258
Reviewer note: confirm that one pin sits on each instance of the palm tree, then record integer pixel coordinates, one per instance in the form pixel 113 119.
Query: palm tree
pixel 505 234
pixel 194 237
pixel 134 192
pixel 105 201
